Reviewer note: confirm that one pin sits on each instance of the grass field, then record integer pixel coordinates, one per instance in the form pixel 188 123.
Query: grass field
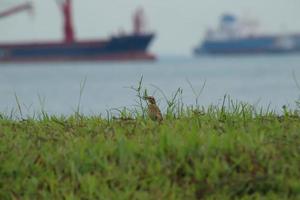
pixel 219 152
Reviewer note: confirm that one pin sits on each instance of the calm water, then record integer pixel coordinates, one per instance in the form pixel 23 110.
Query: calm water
pixel 259 80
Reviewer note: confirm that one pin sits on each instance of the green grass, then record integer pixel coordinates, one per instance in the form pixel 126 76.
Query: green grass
pixel 213 153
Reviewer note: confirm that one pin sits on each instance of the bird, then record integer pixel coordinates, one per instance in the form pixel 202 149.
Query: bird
pixel 153 110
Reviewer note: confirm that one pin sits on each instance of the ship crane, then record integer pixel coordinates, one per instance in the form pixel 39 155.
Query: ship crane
pixel 139 21
pixel 66 8
pixel 16 9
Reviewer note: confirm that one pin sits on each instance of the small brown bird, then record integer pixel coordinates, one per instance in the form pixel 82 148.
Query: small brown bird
pixel 153 110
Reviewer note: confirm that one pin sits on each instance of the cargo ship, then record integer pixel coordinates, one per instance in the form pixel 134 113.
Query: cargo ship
pixel 124 47
pixel 235 36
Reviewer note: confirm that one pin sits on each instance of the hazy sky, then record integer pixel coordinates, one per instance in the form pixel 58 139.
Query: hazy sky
pixel 179 24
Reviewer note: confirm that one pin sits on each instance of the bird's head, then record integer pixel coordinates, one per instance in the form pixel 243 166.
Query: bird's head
pixel 150 99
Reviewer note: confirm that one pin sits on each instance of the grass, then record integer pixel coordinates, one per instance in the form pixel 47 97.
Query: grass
pixel 213 153
pixel 231 151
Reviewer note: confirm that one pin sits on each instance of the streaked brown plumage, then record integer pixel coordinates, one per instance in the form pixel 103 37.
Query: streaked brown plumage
pixel 153 110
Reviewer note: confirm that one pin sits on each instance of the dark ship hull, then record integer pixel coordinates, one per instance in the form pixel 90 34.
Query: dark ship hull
pixel 251 45
pixel 131 47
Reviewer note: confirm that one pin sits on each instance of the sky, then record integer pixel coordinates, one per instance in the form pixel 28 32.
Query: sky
pixel 179 24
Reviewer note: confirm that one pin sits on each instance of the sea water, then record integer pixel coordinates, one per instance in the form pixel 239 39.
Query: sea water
pixel 95 87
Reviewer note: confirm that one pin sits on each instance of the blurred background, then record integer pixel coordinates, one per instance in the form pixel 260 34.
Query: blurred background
pixel 180 27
